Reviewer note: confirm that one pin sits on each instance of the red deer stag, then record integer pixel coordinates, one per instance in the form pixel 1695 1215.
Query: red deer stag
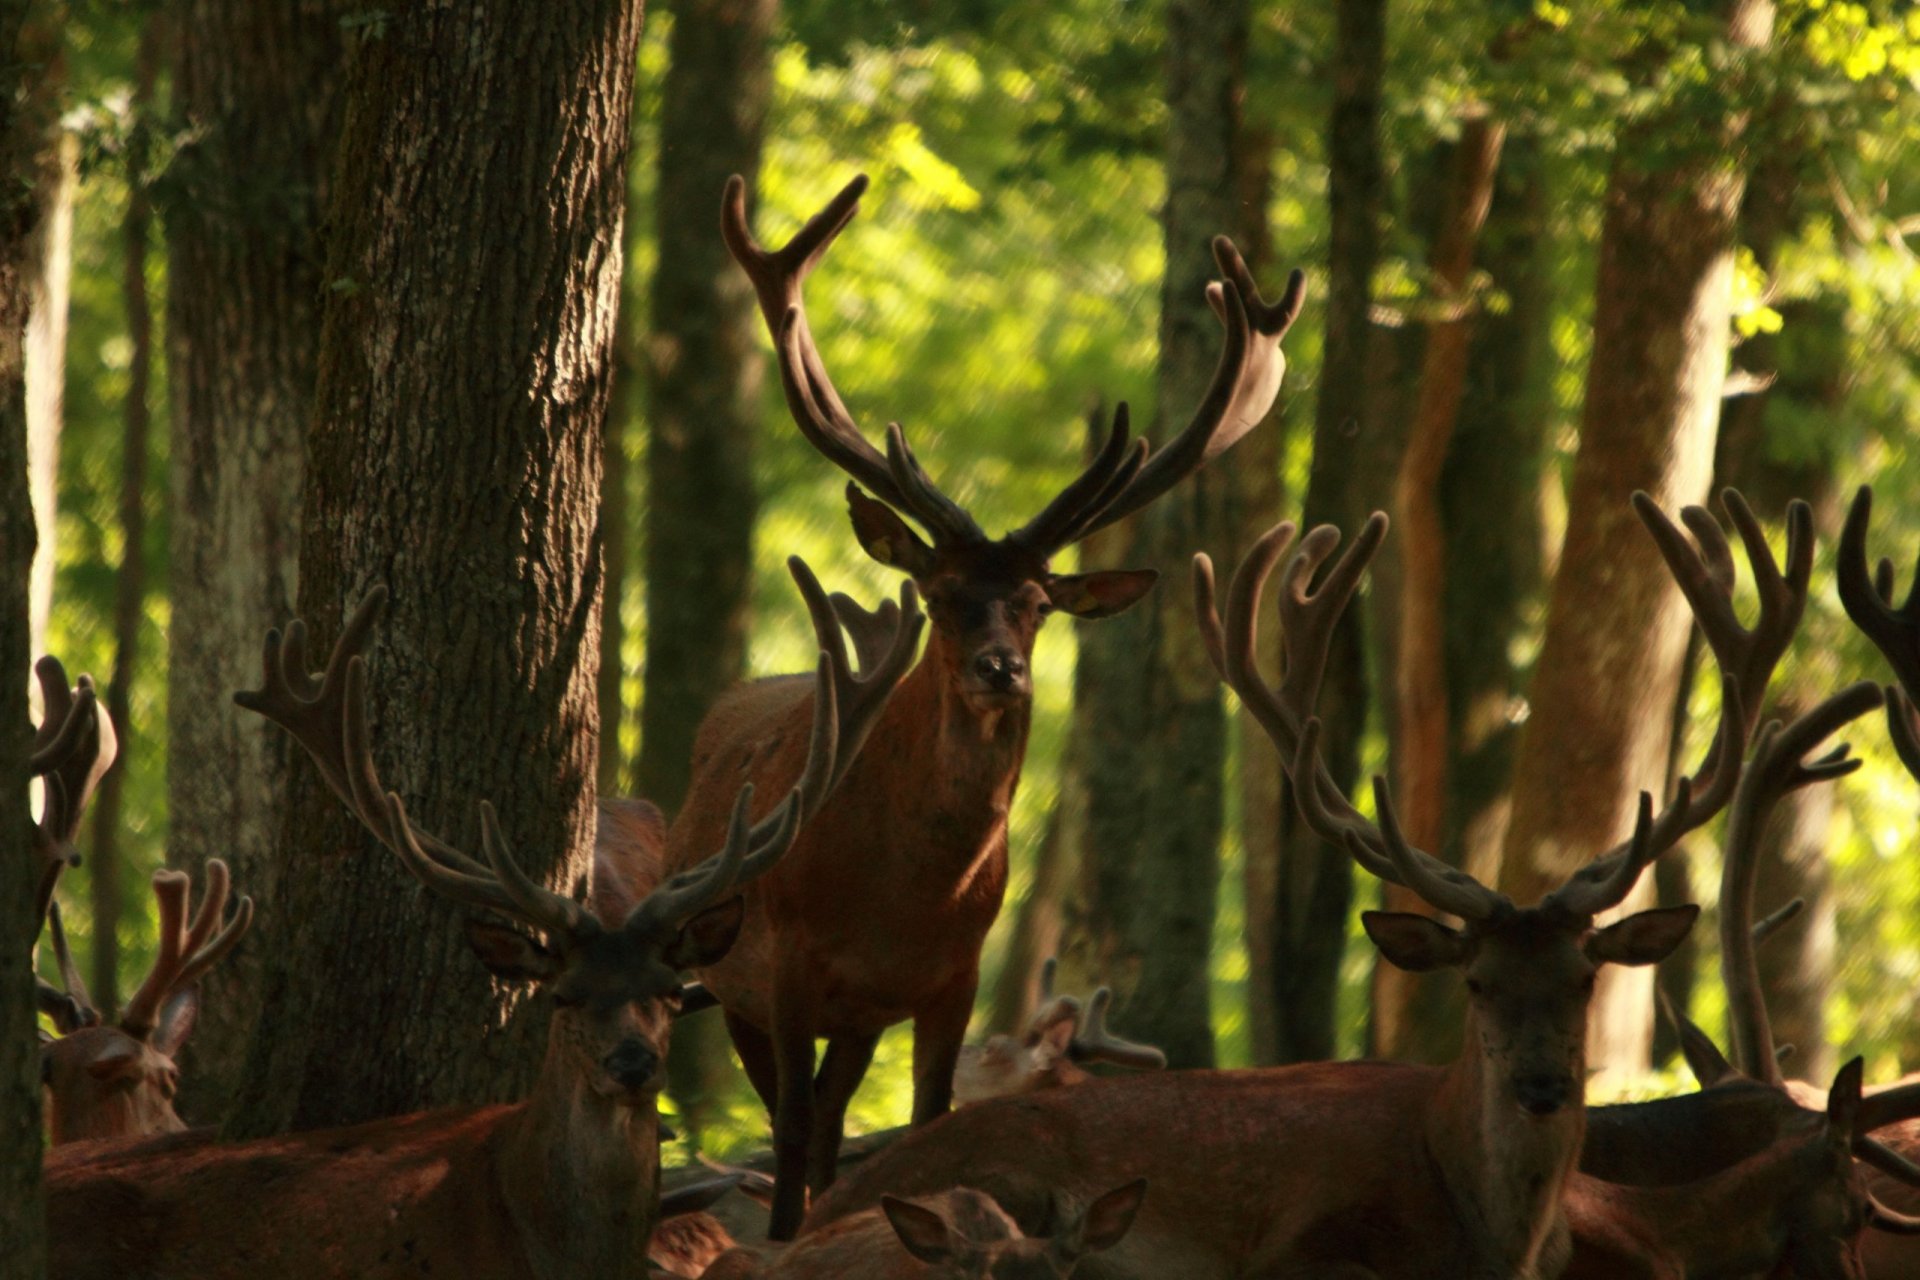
pixel 118 1080
pixel 1059 1038
pixel 1364 1169
pixel 563 1184
pixel 879 914
pixel 961 1234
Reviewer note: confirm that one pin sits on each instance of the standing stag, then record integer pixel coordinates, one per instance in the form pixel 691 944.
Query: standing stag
pixel 879 913
pixel 563 1184
pixel 1367 1170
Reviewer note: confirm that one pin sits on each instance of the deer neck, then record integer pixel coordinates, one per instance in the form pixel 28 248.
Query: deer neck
pixel 580 1176
pixel 971 750
pixel 1504 1170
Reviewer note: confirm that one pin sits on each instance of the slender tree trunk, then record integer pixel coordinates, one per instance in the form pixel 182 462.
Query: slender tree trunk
pixel 704 368
pixel 104 872
pixel 56 175
pixel 1316 886
pixel 1155 784
pixel 22 1210
pixel 257 84
pixel 1422 741
pixel 1616 625
pixel 465 361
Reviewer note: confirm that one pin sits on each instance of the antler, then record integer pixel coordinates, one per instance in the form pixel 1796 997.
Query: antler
pixel 1094 1043
pixel 1121 480
pixel 896 479
pixel 185 954
pixel 1703 570
pixel 1894 631
pixel 73 747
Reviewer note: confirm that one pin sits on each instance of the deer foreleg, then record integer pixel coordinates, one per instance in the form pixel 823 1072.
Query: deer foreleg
pixel 755 1048
pixel 792 1113
pixel 840 1074
pixel 938 1031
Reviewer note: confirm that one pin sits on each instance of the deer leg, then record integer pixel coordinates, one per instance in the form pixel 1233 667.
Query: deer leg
pixel 938 1031
pixel 840 1074
pixel 755 1049
pixel 792 1115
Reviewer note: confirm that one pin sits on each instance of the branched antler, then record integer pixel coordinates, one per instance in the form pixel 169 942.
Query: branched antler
pixel 185 954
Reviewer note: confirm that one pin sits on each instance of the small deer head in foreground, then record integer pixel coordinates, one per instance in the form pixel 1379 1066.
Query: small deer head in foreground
pixel 966 1235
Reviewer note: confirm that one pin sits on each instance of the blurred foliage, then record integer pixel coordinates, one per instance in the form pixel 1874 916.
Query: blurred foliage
pixel 1004 273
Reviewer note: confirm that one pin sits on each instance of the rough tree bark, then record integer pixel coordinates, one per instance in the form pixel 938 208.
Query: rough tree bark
pixel 1316 886
pixel 704 378
pixel 1155 770
pixel 1422 743
pixel 1616 625
pixel 104 872
pixel 473 277
pixel 243 208
pixel 22 1212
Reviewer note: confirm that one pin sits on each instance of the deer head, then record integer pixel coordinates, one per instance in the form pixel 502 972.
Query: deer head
pixel 988 596
pixel 1529 971
pixel 966 1235
pixel 1051 1051
pixel 115 1080
pixel 615 989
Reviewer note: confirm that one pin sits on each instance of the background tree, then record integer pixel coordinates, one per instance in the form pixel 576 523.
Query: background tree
pixel 257 88
pixel 22 1213
pixel 461 467
pixel 1599 731
pixel 1154 771
pixel 703 364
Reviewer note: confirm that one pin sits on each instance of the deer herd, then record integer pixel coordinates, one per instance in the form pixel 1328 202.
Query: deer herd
pixel 760 896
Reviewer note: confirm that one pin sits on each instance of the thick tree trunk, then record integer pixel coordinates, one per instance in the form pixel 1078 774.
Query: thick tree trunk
pixel 1422 743
pixel 22 1211
pixel 1316 886
pixel 1616 626
pixel 104 872
pixel 465 359
pixel 1155 775
pixel 258 85
pixel 704 368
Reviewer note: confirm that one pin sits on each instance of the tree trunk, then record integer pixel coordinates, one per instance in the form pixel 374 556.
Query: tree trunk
pixel 259 86
pixel 1616 625
pixel 1316 886
pixel 1155 785
pixel 465 362
pixel 704 367
pixel 1422 740
pixel 22 1210
pixel 104 872
pixel 50 259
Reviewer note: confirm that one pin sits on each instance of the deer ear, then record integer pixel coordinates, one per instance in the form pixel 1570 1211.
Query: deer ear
pixel 1645 938
pixel 924 1232
pixel 886 537
pixel 511 955
pixel 177 1021
pixel 707 937
pixel 1099 595
pixel 1415 942
pixel 1843 1099
pixel 1106 1221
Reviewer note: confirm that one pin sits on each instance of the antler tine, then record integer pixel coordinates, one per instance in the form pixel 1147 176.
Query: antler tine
pixel 694 890
pixel 1886 1160
pixel 871 630
pixel 1094 1043
pixel 946 519
pixel 1894 631
pixel 534 902
pixel 1115 464
pixel 1889 1106
pixel 75 746
pixel 1606 881
pixel 80 1001
pixel 60 722
pixel 1903 727
pixel 1243 388
pixel 142 1012
pixel 1778 767
pixel 1771 924
pixel 1445 887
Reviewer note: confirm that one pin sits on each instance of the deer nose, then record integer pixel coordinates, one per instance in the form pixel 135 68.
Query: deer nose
pixel 1542 1093
pixel 999 668
pixel 632 1064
